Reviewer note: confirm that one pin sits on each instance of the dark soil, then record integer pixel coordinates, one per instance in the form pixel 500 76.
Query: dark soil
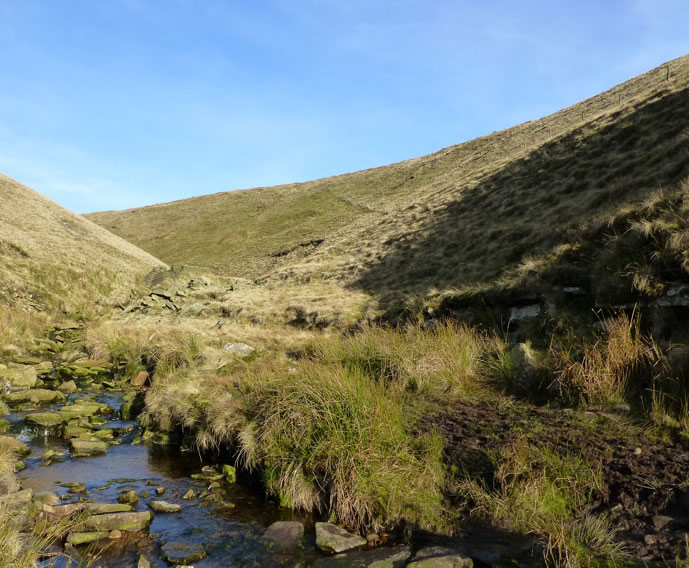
pixel 646 482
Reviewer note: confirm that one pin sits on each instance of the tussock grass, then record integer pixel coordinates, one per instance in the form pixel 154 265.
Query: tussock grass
pixel 610 369
pixel 161 349
pixel 539 491
pixel 332 433
pixel 331 429
pixel 448 359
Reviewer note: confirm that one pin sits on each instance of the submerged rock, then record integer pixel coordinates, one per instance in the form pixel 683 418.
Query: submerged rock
pixel 383 557
pixel 182 552
pixel 331 538
pixel 210 475
pixel 285 534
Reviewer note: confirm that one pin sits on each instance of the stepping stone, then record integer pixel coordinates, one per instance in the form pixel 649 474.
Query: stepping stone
pixel 285 534
pixel 78 538
pixel 37 396
pixel 165 507
pixel 118 521
pixel 331 538
pixel 47 419
pixel 87 447
pixel 182 553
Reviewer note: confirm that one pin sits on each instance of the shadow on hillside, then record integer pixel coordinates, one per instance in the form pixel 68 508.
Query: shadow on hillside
pixel 536 202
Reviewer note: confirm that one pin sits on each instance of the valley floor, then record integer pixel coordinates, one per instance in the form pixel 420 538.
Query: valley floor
pixel 430 429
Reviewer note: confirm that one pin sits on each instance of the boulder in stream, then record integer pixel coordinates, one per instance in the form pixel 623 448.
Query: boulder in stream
pixel 47 419
pixel 165 507
pixel 68 387
pixel 331 538
pixel 18 375
pixel 130 521
pixel 87 447
pixel 285 535
pixel 35 396
pixel 129 497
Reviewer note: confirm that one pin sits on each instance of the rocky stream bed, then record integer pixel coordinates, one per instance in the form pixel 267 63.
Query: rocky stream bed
pixel 133 499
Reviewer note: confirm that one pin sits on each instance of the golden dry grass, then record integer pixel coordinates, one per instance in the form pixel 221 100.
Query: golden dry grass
pixel 51 256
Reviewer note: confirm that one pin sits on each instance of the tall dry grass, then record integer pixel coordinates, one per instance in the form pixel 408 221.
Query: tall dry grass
pixel 610 369
pixel 19 329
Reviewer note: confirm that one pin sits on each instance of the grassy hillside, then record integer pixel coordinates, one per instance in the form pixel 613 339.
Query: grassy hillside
pixel 463 216
pixel 53 258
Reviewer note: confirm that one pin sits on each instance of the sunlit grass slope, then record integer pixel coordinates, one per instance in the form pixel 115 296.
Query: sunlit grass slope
pixel 464 216
pixel 53 258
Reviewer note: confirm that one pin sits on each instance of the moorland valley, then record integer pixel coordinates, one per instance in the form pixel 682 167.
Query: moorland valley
pixel 478 357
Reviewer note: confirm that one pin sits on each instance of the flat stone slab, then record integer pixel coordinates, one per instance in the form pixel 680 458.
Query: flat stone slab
pixel 165 507
pixel 183 552
pixel 77 538
pixel 382 557
pixel 331 538
pixel 37 396
pixel 47 419
pixel 285 534
pixel 87 447
pixel 19 375
pixel 84 409
pixel 118 521
pixel 440 557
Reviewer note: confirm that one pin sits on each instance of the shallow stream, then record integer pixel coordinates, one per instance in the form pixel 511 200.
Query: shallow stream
pixel 228 520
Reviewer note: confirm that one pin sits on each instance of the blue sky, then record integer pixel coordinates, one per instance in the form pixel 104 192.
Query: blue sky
pixel 122 103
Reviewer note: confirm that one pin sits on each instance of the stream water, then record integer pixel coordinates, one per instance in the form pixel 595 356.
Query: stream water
pixel 228 520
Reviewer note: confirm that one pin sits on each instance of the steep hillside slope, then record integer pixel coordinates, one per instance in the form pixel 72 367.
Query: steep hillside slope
pixel 51 256
pixel 464 216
